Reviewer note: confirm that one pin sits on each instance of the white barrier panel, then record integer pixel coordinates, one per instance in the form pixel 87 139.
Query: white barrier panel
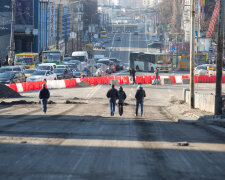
pixel 56 84
pixel 19 87
pixel 178 79
pixel 78 80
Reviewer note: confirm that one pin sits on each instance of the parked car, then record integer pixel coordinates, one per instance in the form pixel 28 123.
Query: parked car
pixel 28 72
pixel 100 72
pixel 62 67
pixel 107 40
pixel 205 69
pixel 41 75
pixel 86 72
pixel 11 68
pixel 76 73
pixel 77 62
pixel 66 59
pixel 117 63
pixel 72 66
pixel 155 44
pixel 46 66
pixel 63 73
pixel 110 65
pixel 10 77
pixel 118 38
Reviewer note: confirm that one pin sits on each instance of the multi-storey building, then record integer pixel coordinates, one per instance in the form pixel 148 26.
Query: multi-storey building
pixel 5 21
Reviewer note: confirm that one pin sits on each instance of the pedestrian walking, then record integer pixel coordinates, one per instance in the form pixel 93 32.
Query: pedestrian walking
pixel 140 95
pixel 44 95
pixel 121 96
pixel 133 74
pixel 156 80
pixel 112 94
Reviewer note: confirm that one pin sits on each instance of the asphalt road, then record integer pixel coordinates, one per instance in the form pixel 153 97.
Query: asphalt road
pixel 121 49
pixel 129 43
pixel 81 141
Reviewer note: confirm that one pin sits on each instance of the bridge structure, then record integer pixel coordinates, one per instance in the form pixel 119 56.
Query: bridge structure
pixel 123 27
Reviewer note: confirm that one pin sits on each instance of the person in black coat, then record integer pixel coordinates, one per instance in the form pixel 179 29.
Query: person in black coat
pixel 121 97
pixel 112 94
pixel 156 80
pixel 140 95
pixel 133 74
pixel 44 95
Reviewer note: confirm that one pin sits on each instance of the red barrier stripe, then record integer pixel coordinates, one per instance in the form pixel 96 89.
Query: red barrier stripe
pixel 70 82
pixel 13 86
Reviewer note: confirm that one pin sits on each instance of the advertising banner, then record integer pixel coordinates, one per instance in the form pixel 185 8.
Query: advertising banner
pixel 24 12
pixel 52 19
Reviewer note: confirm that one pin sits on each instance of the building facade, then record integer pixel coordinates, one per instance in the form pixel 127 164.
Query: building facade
pixel 5 27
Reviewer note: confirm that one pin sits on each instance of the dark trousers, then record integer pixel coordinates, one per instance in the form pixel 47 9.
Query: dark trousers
pixel 120 107
pixel 44 105
pixel 112 105
pixel 133 79
pixel 141 102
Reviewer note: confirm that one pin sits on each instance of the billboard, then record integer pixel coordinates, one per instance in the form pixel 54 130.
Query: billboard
pixel 52 20
pixel 24 12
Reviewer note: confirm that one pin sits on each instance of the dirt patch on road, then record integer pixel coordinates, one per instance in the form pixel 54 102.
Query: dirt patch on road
pixel 17 102
pixel 6 92
pixel 74 102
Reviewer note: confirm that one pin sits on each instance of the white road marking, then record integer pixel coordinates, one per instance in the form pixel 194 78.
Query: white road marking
pixel 92 92
pixel 129 48
pixel 113 40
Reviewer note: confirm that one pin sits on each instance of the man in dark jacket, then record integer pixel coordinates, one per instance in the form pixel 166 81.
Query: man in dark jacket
pixel 112 94
pixel 133 74
pixel 140 95
pixel 44 95
pixel 121 96
pixel 156 80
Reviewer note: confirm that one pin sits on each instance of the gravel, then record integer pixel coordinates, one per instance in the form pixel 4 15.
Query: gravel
pixel 6 92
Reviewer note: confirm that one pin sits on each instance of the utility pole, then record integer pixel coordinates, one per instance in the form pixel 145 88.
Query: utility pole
pixel 57 35
pixel 192 55
pixel 219 65
pixel 12 43
pixel 177 50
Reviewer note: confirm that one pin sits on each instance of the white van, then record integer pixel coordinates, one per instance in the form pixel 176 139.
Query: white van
pixel 81 56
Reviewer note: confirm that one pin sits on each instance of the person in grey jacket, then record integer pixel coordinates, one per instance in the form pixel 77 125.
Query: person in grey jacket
pixel 140 95
pixel 44 95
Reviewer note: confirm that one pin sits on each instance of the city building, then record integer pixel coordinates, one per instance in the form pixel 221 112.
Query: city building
pixel 5 27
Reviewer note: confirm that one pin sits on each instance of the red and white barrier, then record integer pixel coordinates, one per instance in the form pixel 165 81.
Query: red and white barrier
pixel 67 83
pixel 36 85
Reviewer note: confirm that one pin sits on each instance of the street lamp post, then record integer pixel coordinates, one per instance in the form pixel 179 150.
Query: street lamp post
pixel 92 25
pixel 12 43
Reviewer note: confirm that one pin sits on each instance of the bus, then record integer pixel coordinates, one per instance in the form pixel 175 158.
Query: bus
pixel 103 34
pixel 148 62
pixel 51 56
pixel 28 60
pixel 184 61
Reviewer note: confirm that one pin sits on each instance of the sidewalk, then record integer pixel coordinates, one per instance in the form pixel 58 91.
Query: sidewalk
pixel 180 112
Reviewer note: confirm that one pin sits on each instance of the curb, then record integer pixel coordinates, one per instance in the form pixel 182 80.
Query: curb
pixel 170 115
pixel 211 127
